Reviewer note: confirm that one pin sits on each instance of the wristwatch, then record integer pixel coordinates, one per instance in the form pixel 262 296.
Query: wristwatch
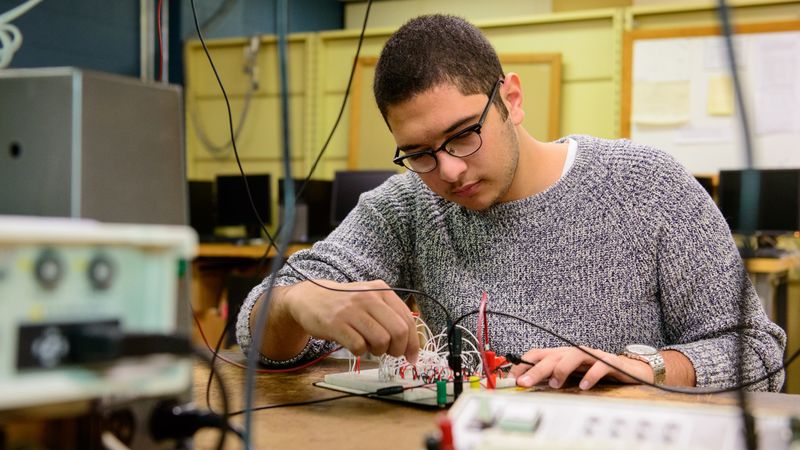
pixel 649 355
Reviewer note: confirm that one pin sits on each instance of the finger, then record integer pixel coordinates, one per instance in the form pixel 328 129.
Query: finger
pixel 351 339
pixel 393 324
pixel 518 369
pixel 569 363
pixel 594 374
pixel 541 371
pixel 530 358
pixel 376 336
pixel 411 350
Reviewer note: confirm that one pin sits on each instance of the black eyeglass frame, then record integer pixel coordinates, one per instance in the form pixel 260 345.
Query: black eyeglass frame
pixel 476 128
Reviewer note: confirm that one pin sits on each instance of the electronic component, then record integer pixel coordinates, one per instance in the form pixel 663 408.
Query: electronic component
pixel 71 293
pixel 430 381
pixel 486 420
pixel 422 393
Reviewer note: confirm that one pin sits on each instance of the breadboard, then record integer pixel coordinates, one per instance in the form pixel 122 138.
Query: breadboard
pixel 366 381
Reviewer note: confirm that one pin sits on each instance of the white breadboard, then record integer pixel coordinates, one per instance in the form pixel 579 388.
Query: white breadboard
pixel 367 381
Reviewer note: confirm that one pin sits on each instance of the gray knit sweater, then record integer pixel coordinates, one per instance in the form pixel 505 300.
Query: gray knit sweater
pixel 625 248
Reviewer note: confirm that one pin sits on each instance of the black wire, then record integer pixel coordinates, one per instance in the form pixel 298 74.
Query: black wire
pixel 213 362
pixel 678 390
pixel 346 95
pixel 316 161
pixel 281 25
pixel 223 393
pixel 390 390
pixel 303 403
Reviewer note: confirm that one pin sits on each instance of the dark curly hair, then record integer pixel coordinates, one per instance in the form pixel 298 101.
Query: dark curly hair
pixel 434 49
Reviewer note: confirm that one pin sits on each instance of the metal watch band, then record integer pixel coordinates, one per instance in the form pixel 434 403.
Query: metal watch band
pixel 656 362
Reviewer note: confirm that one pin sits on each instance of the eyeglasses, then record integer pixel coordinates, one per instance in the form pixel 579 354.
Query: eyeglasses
pixel 462 144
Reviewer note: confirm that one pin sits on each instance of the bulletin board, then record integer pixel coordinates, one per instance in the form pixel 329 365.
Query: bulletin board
pixel 371 145
pixel 677 94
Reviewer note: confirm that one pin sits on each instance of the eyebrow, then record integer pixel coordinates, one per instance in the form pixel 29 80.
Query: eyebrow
pixel 457 124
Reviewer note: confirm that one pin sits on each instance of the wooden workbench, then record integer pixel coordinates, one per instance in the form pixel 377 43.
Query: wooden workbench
pixel 362 423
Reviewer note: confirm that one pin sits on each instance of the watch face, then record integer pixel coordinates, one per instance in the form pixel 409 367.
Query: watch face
pixel 640 349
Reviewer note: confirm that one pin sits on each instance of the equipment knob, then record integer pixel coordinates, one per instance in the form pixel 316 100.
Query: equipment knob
pixel 101 272
pixel 49 269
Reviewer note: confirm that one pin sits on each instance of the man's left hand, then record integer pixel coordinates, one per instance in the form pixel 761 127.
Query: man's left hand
pixel 556 364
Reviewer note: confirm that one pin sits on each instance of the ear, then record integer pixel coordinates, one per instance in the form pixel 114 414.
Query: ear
pixel 512 97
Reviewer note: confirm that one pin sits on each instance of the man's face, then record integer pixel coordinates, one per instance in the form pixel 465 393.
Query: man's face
pixel 426 120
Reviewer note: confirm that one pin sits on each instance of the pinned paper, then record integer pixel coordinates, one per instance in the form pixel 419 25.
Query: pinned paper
pixel 720 95
pixel 661 102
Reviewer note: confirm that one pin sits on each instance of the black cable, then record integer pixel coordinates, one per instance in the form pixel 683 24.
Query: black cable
pixel 223 393
pixel 344 101
pixel 571 343
pixel 211 373
pixel 316 161
pixel 281 20
pixel 271 244
pixel 303 403
pixel 390 390
pixel 516 359
pixel 288 188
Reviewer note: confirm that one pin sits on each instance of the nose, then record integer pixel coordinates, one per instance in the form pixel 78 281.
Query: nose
pixel 450 167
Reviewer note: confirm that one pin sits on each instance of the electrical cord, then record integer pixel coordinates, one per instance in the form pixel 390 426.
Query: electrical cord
pixel 215 355
pixel 382 392
pixel 250 68
pixel 303 403
pixel 282 25
pixel 223 394
pixel 160 41
pixel 10 36
pixel 696 391
pixel 516 359
pixel 319 156
pixel 451 324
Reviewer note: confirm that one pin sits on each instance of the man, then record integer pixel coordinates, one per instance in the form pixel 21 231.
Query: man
pixel 607 243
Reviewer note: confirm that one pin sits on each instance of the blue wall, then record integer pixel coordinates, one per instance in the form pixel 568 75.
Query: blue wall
pixel 104 34
pixel 93 34
pixel 249 17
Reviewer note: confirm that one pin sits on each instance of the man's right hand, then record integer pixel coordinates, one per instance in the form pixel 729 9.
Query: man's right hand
pixel 362 321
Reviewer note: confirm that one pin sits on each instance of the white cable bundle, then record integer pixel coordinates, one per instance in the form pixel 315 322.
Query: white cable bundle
pixel 432 360
pixel 10 36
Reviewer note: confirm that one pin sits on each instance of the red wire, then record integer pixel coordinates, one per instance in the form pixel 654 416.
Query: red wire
pixel 483 333
pixel 160 44
pixel 242 366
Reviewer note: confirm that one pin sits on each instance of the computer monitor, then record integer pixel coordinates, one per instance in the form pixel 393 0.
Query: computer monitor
pixel 349 185
pixel 778 200
pixel 202 209
pixel 313 209
pixel 233 204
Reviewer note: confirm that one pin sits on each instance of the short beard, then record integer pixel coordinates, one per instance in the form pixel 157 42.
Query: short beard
pixel 510 171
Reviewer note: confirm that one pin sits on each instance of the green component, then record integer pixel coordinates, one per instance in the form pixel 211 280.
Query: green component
pixel 182 266
pixel 441 393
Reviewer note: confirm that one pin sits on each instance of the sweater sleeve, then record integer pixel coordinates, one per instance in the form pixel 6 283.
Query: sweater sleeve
pixel 702 283
pixel 370 244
